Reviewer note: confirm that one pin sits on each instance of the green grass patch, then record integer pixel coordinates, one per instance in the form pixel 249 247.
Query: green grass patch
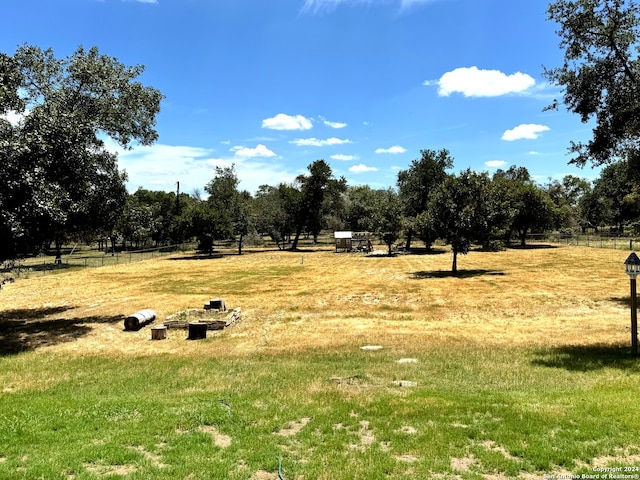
pixel 327 414
pixel 240 282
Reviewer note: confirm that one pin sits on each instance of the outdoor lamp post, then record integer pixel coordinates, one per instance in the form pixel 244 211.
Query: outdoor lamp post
pixel 632 268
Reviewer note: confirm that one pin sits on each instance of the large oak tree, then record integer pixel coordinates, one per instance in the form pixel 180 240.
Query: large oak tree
pixel 53 163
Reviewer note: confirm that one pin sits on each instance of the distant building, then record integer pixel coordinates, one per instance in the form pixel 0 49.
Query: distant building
pixel 350 241
pixel 343 240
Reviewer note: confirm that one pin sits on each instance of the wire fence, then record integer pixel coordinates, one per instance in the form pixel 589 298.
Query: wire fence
pixel 48 264
pixel 593 241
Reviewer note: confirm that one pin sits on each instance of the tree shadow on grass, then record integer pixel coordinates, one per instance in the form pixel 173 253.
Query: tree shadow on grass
pixel 531 247
pixel 24 330
pixel 623 301
pixel 586 358
pixel 197 256
pixel 424 251
pixel 450 274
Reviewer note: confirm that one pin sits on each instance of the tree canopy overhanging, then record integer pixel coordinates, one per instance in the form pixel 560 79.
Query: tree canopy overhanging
pixel 57 177
pixel 600 75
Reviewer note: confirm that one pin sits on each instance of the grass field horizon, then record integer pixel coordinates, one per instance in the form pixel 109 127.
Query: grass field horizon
pixel 517 367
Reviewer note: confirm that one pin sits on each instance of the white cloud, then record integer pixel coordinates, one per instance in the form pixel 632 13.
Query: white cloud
pixel 334 124
pixel 219 162
pixel 533 153
pixel 362 168
pixel 395 149
pixel 259 151
pixel 529 131
pixel 472 82
pixel 343 158
pixel 161 166
pixel 314 142
pixel 317 6
pixel 496 163
pixel 287 122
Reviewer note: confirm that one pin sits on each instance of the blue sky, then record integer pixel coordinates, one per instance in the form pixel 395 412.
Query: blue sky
pixel 272 85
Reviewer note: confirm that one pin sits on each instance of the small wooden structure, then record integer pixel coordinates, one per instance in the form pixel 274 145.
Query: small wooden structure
pixel 216 304
pixel 353 241
pixel 213 319
pixel 343 241
pixel 139 319
pixel 197 330
pixel 159 332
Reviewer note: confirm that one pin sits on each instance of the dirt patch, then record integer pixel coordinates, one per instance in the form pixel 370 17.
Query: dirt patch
pixel 263 475
pixel 463 464
pixel 371 348
pixel 294 427
pixel 366 436
pixel 152 457
pixel 407 360
pixel 407 458
pixel 219 439
pixel 404 383
pixel 109 470
pixel 493 446
pixel 408 430
pixel 625 456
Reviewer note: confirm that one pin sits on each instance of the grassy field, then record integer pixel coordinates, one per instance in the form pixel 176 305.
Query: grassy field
pixel 518 367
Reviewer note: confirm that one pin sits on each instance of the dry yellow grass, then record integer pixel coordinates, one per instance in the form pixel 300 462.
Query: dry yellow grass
pixel 296 301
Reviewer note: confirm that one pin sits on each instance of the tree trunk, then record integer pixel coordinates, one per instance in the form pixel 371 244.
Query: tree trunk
pixel 294 246
pixel 454 265
pixel 523 237
pixel 58 260
pixel 240 245
pixel 409 238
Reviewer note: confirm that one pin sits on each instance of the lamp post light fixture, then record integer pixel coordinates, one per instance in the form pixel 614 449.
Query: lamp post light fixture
pixel 632 268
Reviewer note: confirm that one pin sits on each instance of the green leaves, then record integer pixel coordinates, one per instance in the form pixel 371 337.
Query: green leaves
pixel 54 163
pixel 600 74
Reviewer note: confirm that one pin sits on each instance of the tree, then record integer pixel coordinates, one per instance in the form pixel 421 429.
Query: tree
pixel 600 74
pixel 458 207
pixel 614 194
pixel 389 217
pixel 277 210
pixel 10 82
pixel 527 206
pixel 416 184
pixel 566 195
pixel 54 161
pixel 361 207
pixel 314 189
pixel 225 197
pixel 105 203
pixel 208 224
pixel 534 210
